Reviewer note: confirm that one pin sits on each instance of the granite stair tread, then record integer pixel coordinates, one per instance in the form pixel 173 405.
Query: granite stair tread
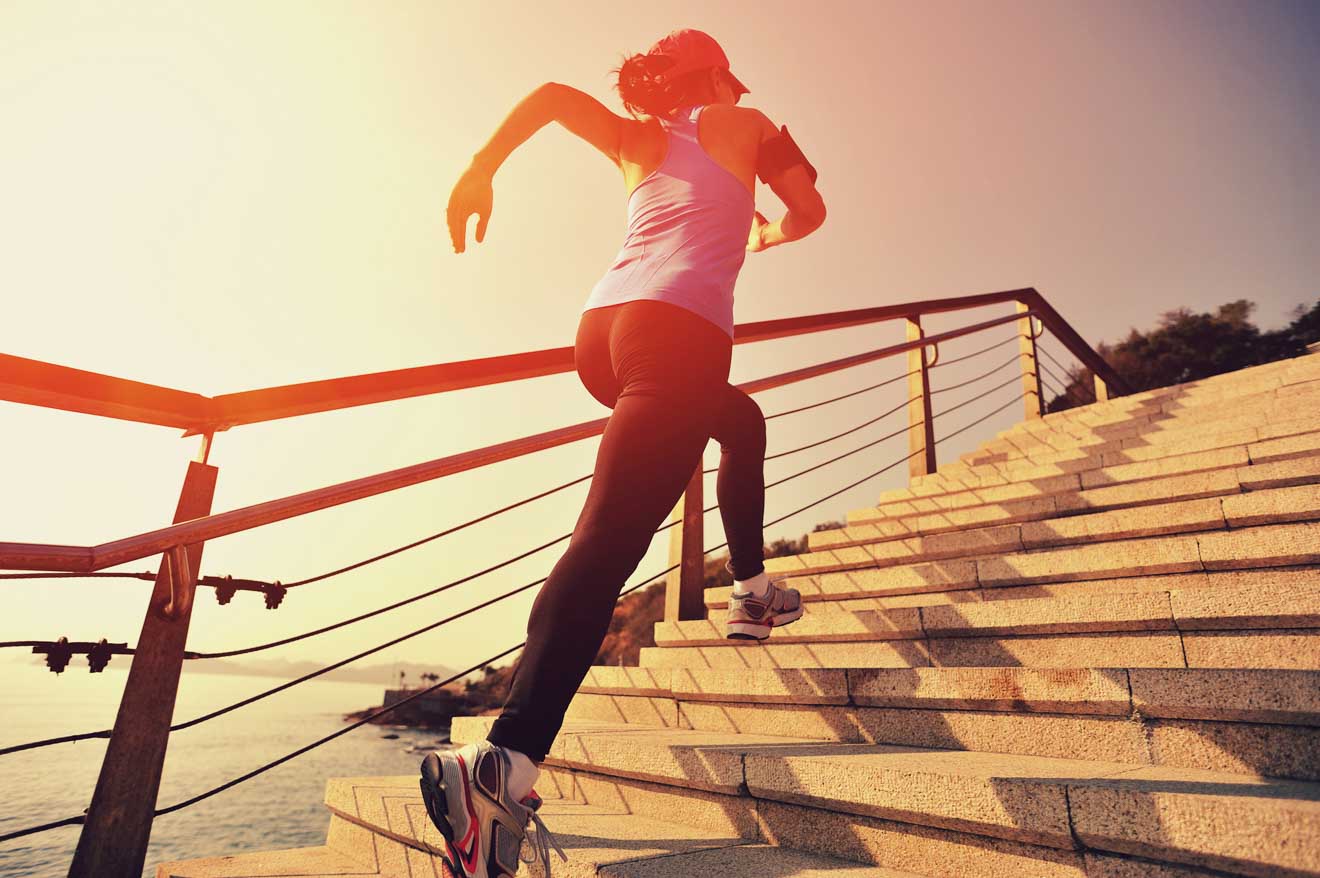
pixel 1201 818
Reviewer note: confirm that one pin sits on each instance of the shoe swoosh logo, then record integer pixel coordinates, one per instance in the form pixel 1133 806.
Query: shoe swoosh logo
pixel 468 847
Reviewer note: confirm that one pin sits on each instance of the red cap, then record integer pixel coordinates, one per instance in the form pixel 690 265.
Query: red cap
pixel 693 50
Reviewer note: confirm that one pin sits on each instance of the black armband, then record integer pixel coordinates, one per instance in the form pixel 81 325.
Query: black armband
pixel 778 154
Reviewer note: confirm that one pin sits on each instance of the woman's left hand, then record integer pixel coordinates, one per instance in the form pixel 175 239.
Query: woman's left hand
pixel 472 193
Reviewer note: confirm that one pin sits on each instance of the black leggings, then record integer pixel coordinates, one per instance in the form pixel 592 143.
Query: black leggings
pixel 665 372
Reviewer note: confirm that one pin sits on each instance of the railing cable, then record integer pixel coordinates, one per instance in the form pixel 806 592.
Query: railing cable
pixel 984 350
pixel 160 812
pixel 1015 358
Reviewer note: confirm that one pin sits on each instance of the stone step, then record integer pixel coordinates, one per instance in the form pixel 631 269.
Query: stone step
pixel 1046 446
pixel 1001 556
pixel 1287 648
pixel 955 582
pixel 1108 468
pixel 1253 721
pixel 880 844
pixel 1144 483
pixel 1236 823
pixel 1173 488
pixel 604 836
pixel 318 861
pixel 1196 626
pixel 1196 609
pixel 1068 457
pixel 1232 695
pixel 1070 453
pixel 1294 375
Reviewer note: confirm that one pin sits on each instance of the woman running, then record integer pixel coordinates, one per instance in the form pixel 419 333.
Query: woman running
pixel 654 344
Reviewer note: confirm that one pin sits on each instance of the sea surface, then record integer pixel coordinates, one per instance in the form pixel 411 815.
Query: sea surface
pixel 280 808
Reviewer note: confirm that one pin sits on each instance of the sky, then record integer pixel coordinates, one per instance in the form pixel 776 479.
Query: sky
pixel 253 195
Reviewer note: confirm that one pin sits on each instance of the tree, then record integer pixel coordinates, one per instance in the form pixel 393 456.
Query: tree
pixel 1185 346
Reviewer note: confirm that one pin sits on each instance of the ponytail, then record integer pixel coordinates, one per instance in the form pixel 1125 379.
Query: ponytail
pixel 643 90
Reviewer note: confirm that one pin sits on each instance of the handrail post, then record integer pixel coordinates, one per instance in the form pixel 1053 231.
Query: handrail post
pixel 685 585
pixel 117 827
pixel 1033 402
pixel 1101 389
pixel 921 425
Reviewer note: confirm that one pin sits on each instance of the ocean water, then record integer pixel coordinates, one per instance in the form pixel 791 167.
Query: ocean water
pixel 280 808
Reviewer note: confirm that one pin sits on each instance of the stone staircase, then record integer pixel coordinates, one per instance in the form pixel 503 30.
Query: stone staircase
pixel 1091 647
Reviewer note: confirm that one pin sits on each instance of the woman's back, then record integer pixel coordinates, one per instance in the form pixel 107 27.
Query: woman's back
pixel 730 135
pixel 691 181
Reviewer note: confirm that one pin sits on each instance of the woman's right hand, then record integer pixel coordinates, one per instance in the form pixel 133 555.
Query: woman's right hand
pixel 472 193
pixel 755 244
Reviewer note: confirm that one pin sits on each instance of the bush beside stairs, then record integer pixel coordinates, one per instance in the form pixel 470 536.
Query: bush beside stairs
pixel 1091 647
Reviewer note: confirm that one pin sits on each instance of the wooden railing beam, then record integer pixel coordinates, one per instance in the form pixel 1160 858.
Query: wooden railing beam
pixel 1033 401
pixel 921 426
pixel 117 827
pixel 685 596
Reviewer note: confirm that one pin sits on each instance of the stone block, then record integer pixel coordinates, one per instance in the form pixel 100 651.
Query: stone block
pixel 902 623
pixel 1163 518
pixel 969 543
pixel 947 575
pixel 632 709
pixel 1143 557
pixel 1291 752
pixel 1234 608
pixel 1116 866
pixel 321 861
pixel 1276 506
pixel 1288 648
pixel 1280 474
pixel 746 861
pixel 779 685
pixel 823 722
pixel 1303 445
pixel 865 654
pixel 1135 650
pixel 1237 694
pixel 1241 825
pixel 1051 690
pixel 1288 426
pixel 1210 483
pixel 634 681
pixel 1267 546
pixel 710 812
pixel 1165 466
pixel 1095 587
pixel 1118 612
pixel 704 760
pixel 864 532
pixel 1001 795
pixel 911 847
pixel 1103 738
pixel 1138 449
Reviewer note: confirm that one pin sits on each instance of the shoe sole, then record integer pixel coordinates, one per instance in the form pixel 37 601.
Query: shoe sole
pixel 433 787
pixel 759 630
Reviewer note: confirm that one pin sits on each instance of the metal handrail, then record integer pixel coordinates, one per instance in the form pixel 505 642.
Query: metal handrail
pixel 37 556
pixel 60 387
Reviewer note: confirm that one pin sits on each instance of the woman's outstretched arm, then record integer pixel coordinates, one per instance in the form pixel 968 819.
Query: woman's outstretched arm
pixel 576 110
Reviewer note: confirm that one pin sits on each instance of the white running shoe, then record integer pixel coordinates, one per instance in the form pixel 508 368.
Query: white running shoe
pixel 467 798
pixel 753 618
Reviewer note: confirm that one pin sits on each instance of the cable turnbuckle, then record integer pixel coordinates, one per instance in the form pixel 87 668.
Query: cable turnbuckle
pixel 60 651
pixel 274 595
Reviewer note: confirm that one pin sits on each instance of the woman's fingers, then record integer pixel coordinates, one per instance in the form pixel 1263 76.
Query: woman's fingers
pixel 472 194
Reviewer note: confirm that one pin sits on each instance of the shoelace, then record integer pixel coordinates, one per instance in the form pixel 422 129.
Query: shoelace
pixel 539 838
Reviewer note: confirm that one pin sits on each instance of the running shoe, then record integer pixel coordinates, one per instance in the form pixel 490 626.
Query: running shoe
pixel 752 617
pixel 484 828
